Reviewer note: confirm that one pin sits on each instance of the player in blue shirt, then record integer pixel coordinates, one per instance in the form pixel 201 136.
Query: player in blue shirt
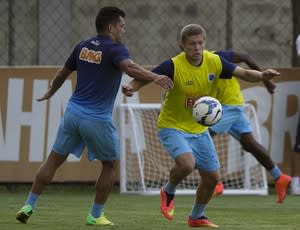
pixel 87 121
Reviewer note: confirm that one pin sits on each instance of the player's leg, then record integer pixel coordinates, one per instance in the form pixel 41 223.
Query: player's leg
pixel 103 144
pixel 261 154
pixel 208 165
pixel 66 141
pixel 230 115
pixel 204 193
pixel 43 178
pixel 295 164
pixel 242 131
pixel 104 186
pixel 177 146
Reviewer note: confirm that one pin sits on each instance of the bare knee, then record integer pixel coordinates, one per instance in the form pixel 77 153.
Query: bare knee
pixel 185 164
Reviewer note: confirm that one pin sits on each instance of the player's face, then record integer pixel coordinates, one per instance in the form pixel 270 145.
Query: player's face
pixel 193 47
pixel 118 30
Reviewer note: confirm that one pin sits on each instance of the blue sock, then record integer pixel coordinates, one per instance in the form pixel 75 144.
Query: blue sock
pixel 170 188
pixel 275 172
pixel 32 199
pixel 197 211
pixel 97 210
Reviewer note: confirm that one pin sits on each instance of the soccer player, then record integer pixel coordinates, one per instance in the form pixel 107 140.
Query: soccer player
pixel 235 122
pixel 193 72
pixel 295 162
pixel 87 121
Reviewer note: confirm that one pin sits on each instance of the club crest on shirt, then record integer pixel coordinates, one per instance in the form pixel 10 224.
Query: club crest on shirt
pixel 211 77
pixel 90 56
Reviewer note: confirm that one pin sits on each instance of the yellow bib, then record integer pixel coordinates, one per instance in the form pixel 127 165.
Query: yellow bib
pixel 190 83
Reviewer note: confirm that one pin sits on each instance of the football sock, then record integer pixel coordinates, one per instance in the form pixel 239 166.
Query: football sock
pixel 97 210
pixel 275 172
pixel 197 211
pixel 32 199
pixel 170 188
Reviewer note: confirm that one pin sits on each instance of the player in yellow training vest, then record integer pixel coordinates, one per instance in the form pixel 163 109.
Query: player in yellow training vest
pixel 235 122
pixel 193 72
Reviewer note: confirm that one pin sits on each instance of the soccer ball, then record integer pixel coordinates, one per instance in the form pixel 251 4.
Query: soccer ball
pixel 207 111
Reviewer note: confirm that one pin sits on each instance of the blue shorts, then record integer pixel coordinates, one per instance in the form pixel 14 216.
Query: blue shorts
pixel 233 121
pixel 201 146
pixel 100 138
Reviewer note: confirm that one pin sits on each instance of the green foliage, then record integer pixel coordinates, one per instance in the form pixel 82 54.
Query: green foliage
pixel 66 207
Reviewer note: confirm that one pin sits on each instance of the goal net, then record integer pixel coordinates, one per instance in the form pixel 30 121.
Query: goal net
pixel 145 165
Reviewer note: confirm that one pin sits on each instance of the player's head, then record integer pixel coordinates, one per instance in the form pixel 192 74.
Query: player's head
pixel 110 21
pixel 192 41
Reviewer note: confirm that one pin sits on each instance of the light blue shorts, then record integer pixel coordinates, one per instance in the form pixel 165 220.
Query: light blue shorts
pixel 100 138
pixel 201 146
pixel 233 121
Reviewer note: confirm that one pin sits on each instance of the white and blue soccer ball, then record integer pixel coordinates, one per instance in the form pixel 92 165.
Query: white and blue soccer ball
pixel 207 111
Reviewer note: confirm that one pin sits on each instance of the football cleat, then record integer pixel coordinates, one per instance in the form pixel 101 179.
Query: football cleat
pixel 100 221
pixel 281 185
pixel 201 222
pixel 167 205
pixel 219 189
pixel 24 213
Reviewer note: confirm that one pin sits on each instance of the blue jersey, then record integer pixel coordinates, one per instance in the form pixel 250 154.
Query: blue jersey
pixel 96 61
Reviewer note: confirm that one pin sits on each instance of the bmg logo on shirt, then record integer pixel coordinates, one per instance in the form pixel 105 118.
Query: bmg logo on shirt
pixel 90 56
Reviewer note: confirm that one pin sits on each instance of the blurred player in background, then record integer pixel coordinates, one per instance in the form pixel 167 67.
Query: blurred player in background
pixel 193 72
pixel 295 162
pixel 87 121
pixel 235 122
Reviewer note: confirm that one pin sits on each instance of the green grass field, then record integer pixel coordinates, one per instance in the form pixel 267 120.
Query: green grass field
pixel 66 207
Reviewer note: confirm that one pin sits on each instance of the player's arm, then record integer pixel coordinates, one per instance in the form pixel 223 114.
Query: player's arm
pixel 229 69
pixel 254 75
pixel 60 77
pixel 166 69
pixel 238 57
pixel 138 72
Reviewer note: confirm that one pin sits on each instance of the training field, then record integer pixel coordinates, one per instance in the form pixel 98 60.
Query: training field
pixel 66 207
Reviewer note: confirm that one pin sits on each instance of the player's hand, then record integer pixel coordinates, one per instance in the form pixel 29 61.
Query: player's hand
pixel 270 85
pixel 127 90
pixel 46 96
pixel 164 81
pixel 268 74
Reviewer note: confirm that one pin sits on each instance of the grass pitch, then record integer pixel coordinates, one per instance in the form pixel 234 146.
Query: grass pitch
pixel 66 207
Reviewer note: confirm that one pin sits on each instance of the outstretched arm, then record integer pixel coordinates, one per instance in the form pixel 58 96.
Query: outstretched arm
pixel 60 77
pixel 138 72
pixel 238 57
pixel 254 75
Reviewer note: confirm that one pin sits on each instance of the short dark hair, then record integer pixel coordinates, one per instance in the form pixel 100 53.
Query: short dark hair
pixel 108 15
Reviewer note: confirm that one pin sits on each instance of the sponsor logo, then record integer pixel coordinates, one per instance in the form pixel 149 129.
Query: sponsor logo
pixel 90 56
